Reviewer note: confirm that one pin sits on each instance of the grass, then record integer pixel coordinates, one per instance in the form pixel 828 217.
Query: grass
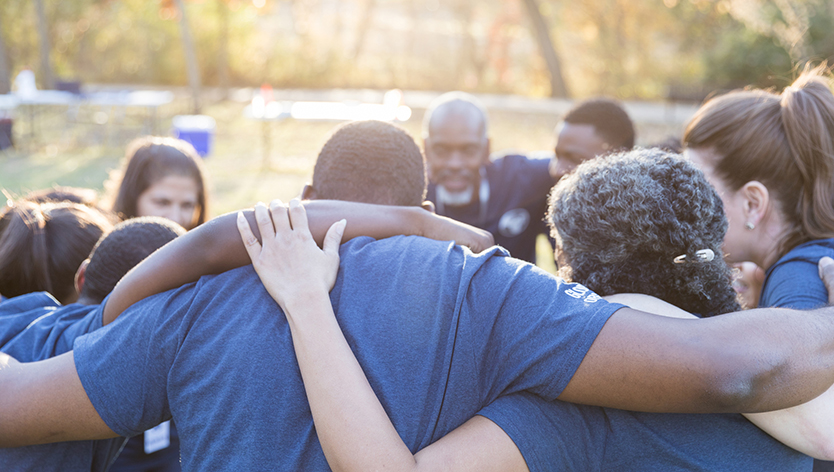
pixel 251 161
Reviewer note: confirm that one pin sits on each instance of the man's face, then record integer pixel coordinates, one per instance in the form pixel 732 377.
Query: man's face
pixel 575 144
pixel 456 148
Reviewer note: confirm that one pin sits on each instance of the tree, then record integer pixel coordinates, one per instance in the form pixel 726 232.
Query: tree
pixel 5 83
pixel 43 33
pixel 190 58
pixel 558 88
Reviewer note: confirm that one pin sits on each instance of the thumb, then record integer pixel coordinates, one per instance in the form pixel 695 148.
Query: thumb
pixel 333 238
pixel 825 266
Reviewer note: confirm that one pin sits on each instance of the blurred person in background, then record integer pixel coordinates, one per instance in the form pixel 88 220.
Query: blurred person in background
pixel 161 177
pixel 771 158
pixel 507 194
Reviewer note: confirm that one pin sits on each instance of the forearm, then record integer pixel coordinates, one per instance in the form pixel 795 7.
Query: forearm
pixel 808 428
pixel 752 361
pixel 216 246
pixel 353 428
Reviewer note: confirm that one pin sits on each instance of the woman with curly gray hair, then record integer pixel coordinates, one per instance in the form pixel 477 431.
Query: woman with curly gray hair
pixel 645 222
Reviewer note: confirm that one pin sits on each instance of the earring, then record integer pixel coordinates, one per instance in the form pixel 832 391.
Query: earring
pixel 749 225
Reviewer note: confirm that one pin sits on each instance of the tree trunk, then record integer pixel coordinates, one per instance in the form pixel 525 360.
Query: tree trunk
pixel 364 24
pixel 558 88
pixel 47 78
pixel 190 58
pixel 223 53
pixel 5 77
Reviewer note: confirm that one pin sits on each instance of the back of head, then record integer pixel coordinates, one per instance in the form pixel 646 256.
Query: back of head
pixel 785 141
pixel 371 162
pixel 120 250
pixel 148 160
pixel 460 102
pixel 620 221
pixel 42 245
pixel 608 118
pixel 84 196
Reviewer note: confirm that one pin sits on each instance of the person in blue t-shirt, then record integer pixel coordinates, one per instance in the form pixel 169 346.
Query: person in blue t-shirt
pixel 771 158
pixel 507 195
pixel 440 331
pixel 630 211
pixel 35 326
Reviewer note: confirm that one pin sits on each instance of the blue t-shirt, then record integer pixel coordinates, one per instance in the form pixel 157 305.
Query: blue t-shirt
pixel 35 327
pixel 515 210
pixel 566 437
pixel 794 281
pixel 439 331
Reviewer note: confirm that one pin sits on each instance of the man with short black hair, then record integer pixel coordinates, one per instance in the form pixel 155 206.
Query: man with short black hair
pixel 590 129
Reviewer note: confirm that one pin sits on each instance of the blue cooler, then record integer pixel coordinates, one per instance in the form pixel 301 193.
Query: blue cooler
pixel 197 130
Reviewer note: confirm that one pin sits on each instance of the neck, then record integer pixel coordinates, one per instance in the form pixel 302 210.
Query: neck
pixel 85 300
pixel 769 241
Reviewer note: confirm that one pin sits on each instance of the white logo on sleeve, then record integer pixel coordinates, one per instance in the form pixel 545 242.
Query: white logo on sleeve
pixel 513 222
pixel 580 291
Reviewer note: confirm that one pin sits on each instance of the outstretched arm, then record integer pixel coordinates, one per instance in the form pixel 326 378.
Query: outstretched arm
pixel 353 428
pixel 752 361
pixel 44 402
pixel 808 428
pixel 215 246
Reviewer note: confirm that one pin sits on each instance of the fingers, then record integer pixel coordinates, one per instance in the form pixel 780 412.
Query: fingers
pixel 280 217
pixel 826 269
pixel 250 242
pixel 264 221
pixel 298 216
pixel 333 238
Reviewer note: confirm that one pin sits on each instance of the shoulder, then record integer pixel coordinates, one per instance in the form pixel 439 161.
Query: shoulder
pixel 794 280
pixel 532 162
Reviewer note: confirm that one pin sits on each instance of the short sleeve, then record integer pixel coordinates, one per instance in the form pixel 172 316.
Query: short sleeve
pixel 551 435
pixel 794 284
pixel 124 366
pixel 535 328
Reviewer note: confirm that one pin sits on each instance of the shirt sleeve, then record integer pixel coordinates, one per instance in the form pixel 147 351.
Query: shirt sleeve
pixel 124 366
pixel 794 284
pixel 541 329
pixel 551 435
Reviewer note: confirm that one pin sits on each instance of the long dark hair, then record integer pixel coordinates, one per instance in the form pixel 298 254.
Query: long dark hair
pixel 42 245
pixel 150 159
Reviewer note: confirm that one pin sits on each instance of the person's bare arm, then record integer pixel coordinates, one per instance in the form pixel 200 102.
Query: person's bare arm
pixel 44 402
pixel 752 361
pixel 215 246
pixel 808 428
pixel 353 428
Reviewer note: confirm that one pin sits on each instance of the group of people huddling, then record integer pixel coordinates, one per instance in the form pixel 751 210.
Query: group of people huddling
pixel 374 325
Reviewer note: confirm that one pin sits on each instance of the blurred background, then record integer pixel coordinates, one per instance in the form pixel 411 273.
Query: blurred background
pixel 527 59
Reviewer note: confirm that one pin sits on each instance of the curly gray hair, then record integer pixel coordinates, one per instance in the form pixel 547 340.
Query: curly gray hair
pixel 620 221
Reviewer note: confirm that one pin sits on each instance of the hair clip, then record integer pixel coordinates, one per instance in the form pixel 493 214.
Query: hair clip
pixel 704 255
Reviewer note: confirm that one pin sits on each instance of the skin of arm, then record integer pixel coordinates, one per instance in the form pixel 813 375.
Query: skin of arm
pixel 808 428
pixel 215 246
pixel 44 402
pixel 353 428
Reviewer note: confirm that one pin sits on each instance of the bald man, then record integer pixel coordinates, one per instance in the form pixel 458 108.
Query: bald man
pixel 505 196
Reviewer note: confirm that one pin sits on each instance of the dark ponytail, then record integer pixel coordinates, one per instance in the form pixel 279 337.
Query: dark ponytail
pixel 42 245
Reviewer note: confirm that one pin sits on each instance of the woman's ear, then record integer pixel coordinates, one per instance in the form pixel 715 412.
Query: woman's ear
pixel 757 202
pixel 81 275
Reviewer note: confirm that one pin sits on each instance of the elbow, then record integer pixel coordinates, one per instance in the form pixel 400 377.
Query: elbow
pixel 743 383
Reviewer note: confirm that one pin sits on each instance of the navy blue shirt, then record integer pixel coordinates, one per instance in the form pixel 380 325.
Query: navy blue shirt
pixel 794 282
pixel 515 210
pixel 439 331
pixel 35 327
pixel 566 437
